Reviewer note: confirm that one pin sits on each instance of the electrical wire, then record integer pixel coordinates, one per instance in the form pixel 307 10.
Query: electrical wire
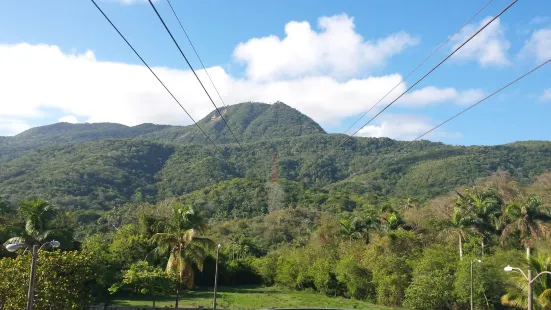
pixel 418 66
pixel 434 68
pixel 196 53
pixel 194 73
pixel 152 72
pixel 475 104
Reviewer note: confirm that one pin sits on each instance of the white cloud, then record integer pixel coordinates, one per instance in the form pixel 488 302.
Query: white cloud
pixel 488 48
pixel 404 127
pixel 12 126
pixel 546 96
pixel 538 46
pixel 337 49
pixel 431 94
pixel 80 86
pixel 68 119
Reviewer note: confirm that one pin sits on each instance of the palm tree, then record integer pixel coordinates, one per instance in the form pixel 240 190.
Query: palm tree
pixel 179 236
pixel 480 210
pixel 349 228
pixel 458 226
pixel 37 215
pixel 541 288
pixel 529 219
pixel 409 204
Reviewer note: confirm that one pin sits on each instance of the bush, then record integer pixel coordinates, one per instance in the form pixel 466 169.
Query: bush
pixel 62 281
pixel 358 280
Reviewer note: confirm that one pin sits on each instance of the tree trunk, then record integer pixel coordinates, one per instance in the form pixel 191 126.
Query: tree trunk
pixel 460 248
pixel 178 293
pixel 153 303
pixel 482 246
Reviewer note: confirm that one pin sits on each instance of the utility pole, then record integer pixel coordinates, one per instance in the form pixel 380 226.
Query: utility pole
pixel 472 298
pixel 529 278
pixel 32 281
pixel 216 277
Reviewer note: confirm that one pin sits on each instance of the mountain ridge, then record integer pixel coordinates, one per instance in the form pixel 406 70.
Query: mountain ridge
pixel 113 164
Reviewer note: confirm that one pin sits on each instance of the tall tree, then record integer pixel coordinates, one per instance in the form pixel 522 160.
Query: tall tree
pixel 480 210
pixel 457 227
pixel 516 294
pixel 530 219
pixel 179 236
pixel 39 216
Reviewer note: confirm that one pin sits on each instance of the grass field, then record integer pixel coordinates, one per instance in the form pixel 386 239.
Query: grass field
pixel 254 298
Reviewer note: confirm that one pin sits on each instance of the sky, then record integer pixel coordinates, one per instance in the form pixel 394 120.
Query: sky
pixel 60 61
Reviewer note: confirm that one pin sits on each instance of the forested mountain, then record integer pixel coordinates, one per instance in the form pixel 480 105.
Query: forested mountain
pixel 102 165
pixel 249 121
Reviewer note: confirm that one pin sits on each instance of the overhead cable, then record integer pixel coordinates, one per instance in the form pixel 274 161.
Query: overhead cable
pixel 418 66
pixel 194 73
pixel 152 72
pixel 434 68
pixel 477 103
pixel 196 53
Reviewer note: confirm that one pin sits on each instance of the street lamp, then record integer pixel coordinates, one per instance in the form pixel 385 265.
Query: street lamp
pixel 216 276
pixel 14 247
pixel 528 277
pixel 472 262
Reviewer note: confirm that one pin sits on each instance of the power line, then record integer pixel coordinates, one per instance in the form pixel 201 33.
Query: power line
pixel 194 73
pixel 434 68
pixel 196 53
pixel 477 103
pixel 418 66
pixel 152 72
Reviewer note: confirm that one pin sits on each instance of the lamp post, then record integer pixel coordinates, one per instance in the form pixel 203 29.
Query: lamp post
pixel 34 257
pixel 472 262
pixel 529 279
pixel 216 276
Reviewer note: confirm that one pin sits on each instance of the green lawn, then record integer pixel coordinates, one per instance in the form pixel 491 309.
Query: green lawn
pixel 254 298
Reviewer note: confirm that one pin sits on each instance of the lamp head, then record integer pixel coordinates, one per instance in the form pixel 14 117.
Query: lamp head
pixel 55 244
pixel 219 245
pixel 478 260
pixel 13 247
pixel 508 268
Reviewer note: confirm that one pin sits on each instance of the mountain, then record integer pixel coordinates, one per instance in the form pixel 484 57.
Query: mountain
pixel 62 133
pixel 249 122
pixel 99 166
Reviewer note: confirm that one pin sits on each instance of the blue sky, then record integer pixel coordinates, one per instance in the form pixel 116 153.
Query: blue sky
pixel 331 60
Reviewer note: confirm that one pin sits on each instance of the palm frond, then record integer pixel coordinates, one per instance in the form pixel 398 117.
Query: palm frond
pixel 544 298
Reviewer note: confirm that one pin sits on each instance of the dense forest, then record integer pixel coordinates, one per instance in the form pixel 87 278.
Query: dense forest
pixel 368 220
pixel 99 166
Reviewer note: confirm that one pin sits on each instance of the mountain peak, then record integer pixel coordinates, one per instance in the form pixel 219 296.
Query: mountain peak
pixel 255 120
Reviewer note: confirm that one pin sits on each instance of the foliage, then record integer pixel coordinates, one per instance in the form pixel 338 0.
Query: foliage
pixel 145 279
pixel 179 237
pixel 129 245
pixel 387 258
pixel 433 277
pixel 356 278
pixel 541 288
pixel 62 281
pixel 365 223
pixel 91 166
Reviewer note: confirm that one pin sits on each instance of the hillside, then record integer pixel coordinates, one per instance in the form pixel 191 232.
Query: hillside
pixel 249 121
pixel 103 174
